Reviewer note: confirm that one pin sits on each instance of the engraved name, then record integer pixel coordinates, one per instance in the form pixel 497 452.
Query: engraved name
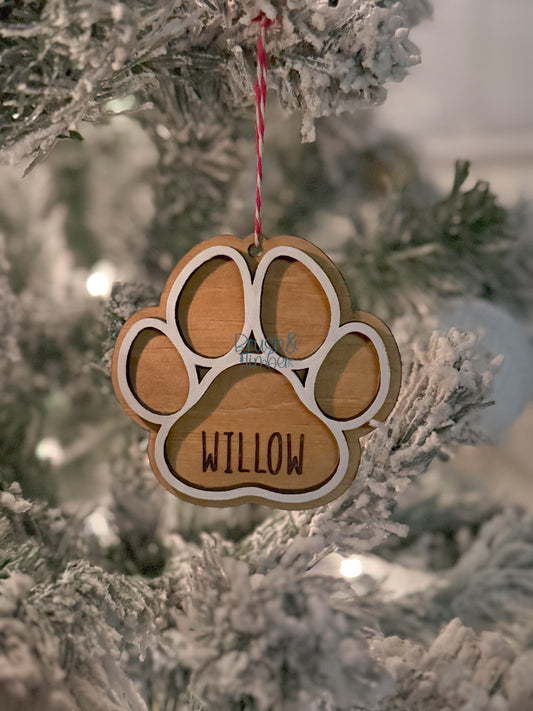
pixel 233 452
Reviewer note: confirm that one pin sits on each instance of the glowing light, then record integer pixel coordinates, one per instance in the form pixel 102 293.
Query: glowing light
pixel 49 449
pixel 98 284
pixel 163 131
pixel 100 279
pixel 351 568
pixel 124 103
pixel 97 525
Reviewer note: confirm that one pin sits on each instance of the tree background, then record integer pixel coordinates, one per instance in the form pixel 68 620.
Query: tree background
pixel 117 596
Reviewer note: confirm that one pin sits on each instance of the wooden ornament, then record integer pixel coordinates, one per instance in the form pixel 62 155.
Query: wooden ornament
pixel 254 375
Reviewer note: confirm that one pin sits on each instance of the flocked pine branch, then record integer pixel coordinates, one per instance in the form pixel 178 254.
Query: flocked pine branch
pixel 189 67
pixel 491 585
pixel 64 60
pixel 477 567
pixel 268 642
pixel 413 249
pixel 400 245
pixel 461 670
pixel 456 383
pixel 61 641
pixel 34 536
pixel 64 625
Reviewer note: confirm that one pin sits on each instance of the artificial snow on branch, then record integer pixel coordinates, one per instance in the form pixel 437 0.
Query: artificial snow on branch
pixel 461 670
pixel 278 641
pixel 64 60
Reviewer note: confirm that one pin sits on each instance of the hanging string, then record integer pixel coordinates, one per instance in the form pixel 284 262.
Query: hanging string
pixel 260 89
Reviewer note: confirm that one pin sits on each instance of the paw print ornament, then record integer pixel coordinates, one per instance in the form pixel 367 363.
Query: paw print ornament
pixel 254 376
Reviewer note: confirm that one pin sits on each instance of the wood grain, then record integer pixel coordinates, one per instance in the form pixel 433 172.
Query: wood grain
pixel 211 308
pixel 294 302
pixel 349 378
pixel 157 372
pixel 260 424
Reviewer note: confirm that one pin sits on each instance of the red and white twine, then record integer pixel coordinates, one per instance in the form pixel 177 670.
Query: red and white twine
pixel 260 90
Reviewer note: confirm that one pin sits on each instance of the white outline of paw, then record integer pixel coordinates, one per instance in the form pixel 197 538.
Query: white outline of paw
pixel 252 323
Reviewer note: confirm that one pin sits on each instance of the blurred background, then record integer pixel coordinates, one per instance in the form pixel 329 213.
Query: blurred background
pixel 472 95
pixel 472 98
pixel 82 220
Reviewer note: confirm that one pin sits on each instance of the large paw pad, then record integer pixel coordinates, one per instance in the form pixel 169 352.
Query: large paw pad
pixel 254 376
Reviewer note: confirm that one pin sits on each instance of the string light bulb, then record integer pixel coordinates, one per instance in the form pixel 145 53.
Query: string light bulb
pixel 100 280
pixel 50 449
pixel 351 568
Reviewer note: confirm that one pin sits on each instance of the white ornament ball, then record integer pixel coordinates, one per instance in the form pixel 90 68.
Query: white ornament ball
pixel 502 334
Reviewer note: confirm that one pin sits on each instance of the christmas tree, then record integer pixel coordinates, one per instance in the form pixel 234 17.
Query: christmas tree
pixel 134 123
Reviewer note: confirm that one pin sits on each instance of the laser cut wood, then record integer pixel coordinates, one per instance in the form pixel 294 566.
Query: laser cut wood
pixel 254 375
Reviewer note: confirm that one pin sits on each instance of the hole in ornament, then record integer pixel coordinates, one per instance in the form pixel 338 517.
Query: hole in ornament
pixel 254 251
pixel 251 345
pixel 302 374
pixel 201 372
